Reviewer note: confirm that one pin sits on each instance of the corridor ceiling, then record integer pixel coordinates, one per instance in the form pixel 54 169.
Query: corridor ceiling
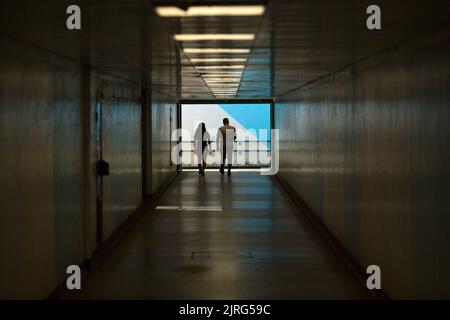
pixel 295 41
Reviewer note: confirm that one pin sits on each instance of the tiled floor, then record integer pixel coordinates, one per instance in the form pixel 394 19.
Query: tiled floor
pixel 220 237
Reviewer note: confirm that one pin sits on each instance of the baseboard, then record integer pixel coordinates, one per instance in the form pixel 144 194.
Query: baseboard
pixel 162 188
pixel 115 238
pixel 343 254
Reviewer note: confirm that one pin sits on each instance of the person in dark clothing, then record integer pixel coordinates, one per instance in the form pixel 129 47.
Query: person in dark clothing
pixel 201 146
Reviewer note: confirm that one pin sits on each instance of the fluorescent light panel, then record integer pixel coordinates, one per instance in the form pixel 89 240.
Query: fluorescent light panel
pixel 240 66
pixel 215 50
pixel 186 208
pixel 201 11
pixel 222 71
pixel 222 86
pixel 225 88
pixel 214 36
pixel 224 92
pixel 213 80
pixel 218 60
pixel 219 80
pixel 221 75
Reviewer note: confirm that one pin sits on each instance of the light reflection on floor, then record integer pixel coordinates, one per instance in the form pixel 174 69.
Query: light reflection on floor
pixel 221 237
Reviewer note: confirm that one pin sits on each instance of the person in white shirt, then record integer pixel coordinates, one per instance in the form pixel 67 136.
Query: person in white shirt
pixel 226 135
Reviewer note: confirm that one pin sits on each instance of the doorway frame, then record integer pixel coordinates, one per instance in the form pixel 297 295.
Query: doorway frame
pixel 270 101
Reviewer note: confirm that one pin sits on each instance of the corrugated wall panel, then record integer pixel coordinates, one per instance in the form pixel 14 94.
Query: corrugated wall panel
pixel 367 149
pixel 41 220
pixel 122 145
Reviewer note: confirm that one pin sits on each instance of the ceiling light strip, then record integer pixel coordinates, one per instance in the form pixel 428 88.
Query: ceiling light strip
pixel 214 36
pixel 195 60
pixel 214 10
pixel 216 50
pixel 221 67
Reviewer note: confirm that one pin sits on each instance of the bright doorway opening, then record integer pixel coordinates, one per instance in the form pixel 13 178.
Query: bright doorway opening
pixel 253 122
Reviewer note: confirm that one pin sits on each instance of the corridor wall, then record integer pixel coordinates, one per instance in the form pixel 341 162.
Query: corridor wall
pixel 367 150
pixel 41 220
pixel 122 149
pixel 163 123
pixel 48 165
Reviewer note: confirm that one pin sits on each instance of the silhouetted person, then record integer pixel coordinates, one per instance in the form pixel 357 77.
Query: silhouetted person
pixel 226 135
pixel 201 143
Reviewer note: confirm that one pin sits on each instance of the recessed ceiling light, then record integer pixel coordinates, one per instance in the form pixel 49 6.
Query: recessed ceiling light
pixel 223 85
pixel 199 11
pixel 218 60
pixel 224 88
pixel 239 66
pixel 219 73
pixel 211 80
pixel 215 50
pixel 214 36
pixel 222 78
pixel 205 74
pixel 217 89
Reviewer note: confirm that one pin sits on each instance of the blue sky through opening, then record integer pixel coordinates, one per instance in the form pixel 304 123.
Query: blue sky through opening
pixel 251 116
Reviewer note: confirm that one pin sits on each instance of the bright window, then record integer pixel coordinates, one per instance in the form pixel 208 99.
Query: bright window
pixel 251 120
